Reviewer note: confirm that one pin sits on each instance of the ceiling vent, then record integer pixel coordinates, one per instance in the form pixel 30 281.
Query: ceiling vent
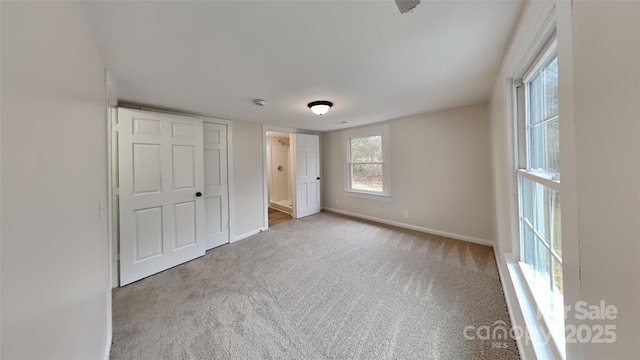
pixel 406 5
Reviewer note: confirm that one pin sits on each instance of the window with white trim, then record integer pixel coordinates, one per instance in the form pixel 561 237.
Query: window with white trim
pixel 538 175
pixel 367 161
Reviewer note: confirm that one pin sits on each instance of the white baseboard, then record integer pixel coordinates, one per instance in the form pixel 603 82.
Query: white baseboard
pixel 115 271
pixel 107 350
pixel 248 234
pixel 414 227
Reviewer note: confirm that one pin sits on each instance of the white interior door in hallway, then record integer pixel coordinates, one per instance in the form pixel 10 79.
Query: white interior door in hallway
pixel 161 182
pixel 216 186
pixel 307 160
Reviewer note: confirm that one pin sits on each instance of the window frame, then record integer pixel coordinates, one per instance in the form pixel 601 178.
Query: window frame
pixel 378 130
pixel 554 321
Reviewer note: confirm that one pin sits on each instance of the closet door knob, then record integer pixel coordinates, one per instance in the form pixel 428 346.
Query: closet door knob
pixel 198 194
pixel 318 178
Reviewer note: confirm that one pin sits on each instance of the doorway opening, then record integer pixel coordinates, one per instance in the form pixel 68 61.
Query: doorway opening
pixel 279 177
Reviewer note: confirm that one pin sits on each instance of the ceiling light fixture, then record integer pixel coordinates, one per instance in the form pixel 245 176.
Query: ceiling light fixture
pixel 320 107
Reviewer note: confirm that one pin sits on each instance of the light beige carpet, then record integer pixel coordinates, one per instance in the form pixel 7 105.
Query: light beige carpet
pixel 322 287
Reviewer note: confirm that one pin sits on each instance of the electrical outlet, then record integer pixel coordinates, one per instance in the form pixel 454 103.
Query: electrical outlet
pixel 405 214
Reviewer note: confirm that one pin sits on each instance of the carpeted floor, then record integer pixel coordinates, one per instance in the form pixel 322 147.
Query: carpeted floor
pixel 321 287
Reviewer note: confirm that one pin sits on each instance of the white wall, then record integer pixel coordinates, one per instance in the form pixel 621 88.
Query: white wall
pixel 440 173
pixel 248 177
pixel 606 71
pixel 55 280
pixel 599 80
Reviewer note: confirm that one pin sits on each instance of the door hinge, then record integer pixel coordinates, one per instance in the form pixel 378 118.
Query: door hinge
pixel 115 127
pixel 115 191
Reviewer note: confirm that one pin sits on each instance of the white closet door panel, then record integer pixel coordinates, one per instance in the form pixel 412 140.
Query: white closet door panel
pixel 184 172
pixel 216 185
pixel 147 169
pixel 213 212
pixel 148 233
pixel 184 224
pixel 160 173
pixel 212 171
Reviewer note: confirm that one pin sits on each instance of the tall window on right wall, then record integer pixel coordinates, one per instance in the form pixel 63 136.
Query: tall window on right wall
pixel 538 174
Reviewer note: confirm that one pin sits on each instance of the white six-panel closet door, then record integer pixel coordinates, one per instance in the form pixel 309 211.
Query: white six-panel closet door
pixel 161 185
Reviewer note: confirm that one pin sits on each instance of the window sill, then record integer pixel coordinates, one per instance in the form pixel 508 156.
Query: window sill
pixel 367 195
pixel 544 342
pixel 554 320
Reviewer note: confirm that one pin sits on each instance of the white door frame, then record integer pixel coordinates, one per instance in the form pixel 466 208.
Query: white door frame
pixel 112 173
pixel 113 197
pixel 111 100
pixel 265 191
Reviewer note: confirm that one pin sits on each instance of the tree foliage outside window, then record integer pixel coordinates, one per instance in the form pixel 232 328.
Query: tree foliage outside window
pixel 366 163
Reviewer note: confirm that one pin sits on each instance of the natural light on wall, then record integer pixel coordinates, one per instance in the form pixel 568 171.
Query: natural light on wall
pixel 539 188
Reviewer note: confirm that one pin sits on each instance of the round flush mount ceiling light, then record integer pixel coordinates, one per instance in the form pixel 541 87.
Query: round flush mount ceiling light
pixel 259 102
pixel 320 107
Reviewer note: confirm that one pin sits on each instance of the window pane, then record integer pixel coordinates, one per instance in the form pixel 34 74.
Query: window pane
pixel 552 147
pixel 540 205
pixel 366 149
pixel 525 199
pixel 536 147
pixel 557 293
pixel 547 225
pixel 542 274
pixel 535 103
pixel 544 148
pixel 542 263
pixel 366 177
pixel 554 215
pixel 543 123
pixel 528 250
pixel 550 88
pixel 557 277
pixel 543 93
pixel 540 220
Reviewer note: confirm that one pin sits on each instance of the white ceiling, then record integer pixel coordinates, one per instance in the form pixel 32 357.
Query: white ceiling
pixel 215 57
